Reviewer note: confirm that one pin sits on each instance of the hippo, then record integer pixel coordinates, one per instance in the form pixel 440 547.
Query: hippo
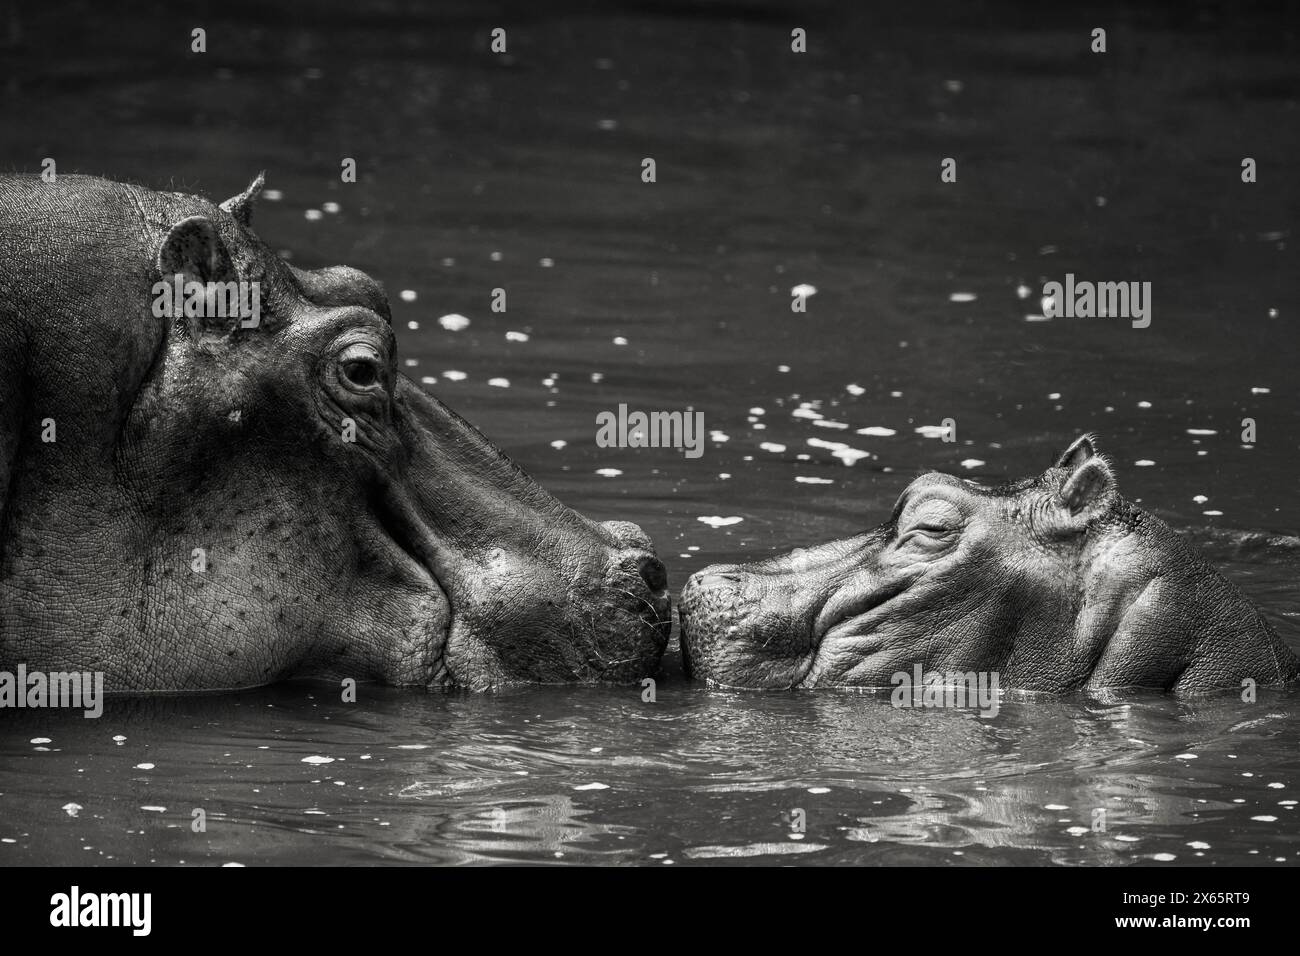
pixel 213 476
pixel 1051 584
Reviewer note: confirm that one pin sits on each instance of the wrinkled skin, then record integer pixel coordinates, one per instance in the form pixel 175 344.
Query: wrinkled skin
pixel 1055 583
pixel 415 554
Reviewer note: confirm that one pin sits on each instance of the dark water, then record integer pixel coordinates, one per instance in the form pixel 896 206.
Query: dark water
pixel 774 170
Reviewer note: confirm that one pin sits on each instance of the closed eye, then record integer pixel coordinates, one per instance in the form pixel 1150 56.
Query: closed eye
pixel 926 531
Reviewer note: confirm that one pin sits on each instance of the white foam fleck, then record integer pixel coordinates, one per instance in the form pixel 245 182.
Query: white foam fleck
pixel 718 521
pixel 805 413
pixel 453 322
pixel 452 375
pixel 1144 463
pixel 558 444
pixel 592 786
pixel 1202 431
pixel 499 382
pixel 620 340
pixel 962 297
pixel 516 336
pixel 932 431
pixel 609 472
pixel 772 447
pixel 972 463
pixel 804 290
pixel 878 431
pixel 855 389
pixel 1265 818
pixel 144 766
pixel 813 481
pixel 827 423
pixel 850 455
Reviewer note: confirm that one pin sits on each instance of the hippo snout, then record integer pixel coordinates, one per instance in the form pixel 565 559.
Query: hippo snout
pixel 636 542
pixel 709 610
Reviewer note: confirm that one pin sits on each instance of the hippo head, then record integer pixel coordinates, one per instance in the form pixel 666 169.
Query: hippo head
pixel 246 488
pixel 1053 582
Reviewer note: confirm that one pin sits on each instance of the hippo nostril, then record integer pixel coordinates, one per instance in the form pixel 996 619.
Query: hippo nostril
pixel 710 579
pixel 653 573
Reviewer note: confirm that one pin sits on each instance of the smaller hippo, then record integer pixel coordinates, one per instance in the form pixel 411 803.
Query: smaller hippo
pixel 1053 583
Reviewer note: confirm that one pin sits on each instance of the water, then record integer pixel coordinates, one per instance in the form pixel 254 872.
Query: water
pixel 774 171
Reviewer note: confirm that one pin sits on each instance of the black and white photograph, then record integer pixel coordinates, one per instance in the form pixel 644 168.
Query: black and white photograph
pixel 650 435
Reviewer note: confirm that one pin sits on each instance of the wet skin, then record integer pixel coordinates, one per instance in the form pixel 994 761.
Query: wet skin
pixel 189 503
pixel 1054 583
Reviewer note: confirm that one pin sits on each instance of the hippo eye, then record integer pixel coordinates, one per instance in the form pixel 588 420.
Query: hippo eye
pixel 933 529
pixel 361 372
pixel 359 366
pixel 929 529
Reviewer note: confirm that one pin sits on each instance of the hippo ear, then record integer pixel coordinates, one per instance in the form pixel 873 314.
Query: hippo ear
pixel 241 206
pixel 1078 453
pixel 194 249
pixel 1089 489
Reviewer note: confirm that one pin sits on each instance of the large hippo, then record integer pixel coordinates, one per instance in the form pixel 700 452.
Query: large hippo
pixel 221 492
pixel 1052 584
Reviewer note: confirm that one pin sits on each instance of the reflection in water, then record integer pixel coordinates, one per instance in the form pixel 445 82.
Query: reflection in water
pixel 479 172
pixel 289 775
